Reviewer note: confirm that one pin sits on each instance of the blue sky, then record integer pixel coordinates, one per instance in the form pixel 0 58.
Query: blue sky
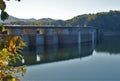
pixel 59 9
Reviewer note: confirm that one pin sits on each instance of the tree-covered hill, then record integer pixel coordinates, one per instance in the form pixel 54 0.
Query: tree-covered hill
pixel 105 20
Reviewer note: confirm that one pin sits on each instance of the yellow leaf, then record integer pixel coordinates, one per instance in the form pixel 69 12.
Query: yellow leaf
pixel 13 79
pixel 4 51
pixel 11 43
pixel 15 38
pixel 1 62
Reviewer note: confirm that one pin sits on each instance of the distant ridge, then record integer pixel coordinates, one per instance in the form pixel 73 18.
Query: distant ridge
pixel 103 20
pixel 46 20
pixel 15 19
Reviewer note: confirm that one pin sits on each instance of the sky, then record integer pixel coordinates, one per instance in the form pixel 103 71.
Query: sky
pixel 58 9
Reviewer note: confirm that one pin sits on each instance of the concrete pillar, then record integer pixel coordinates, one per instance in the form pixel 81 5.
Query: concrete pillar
pixel 39 39
pixel 93 39
pixel 39 43
pixel 79 38
pixel 79 42
pixel 25 38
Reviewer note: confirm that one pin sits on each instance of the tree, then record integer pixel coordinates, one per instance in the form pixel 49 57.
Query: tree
pixel 10 49
pixel 4 14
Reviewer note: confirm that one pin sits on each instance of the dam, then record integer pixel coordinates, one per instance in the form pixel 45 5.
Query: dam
pixel 51 35
pixel 46 42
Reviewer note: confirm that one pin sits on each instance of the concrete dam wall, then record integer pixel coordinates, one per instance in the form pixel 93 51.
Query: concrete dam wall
pixel 42 39
pixel 54 35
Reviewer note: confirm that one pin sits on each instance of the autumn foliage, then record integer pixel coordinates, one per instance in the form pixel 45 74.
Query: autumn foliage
pixel 10 51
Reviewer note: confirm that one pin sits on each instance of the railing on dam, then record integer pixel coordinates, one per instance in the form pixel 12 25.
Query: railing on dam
pixel 50 35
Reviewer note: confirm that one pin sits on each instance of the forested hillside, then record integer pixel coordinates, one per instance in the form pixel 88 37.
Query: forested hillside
pixel 107 20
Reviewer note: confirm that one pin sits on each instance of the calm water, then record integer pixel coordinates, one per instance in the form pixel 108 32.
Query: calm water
pixel 74 63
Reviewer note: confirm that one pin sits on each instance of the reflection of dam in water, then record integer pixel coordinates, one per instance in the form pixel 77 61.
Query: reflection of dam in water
pixel 53 54
pixel 110 44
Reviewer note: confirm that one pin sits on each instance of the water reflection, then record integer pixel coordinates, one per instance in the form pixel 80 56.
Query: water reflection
pixel 45 54
pixel 110 45
pixel 98 65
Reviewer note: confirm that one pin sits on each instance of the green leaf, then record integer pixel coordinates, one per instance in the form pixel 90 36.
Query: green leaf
pixel 2 5
pixel 4 15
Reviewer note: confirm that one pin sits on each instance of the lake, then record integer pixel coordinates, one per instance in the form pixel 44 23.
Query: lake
pixel 74 62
